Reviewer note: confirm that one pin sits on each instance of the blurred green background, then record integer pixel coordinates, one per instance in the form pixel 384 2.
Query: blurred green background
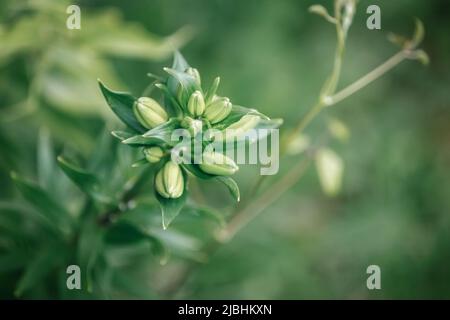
pixel 394 206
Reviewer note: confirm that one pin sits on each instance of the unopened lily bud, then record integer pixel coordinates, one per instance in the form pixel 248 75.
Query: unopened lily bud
pixel 149 113
pixel 196 104
pixel 240 127
pixel 195 74
pixel 218 164
pixel 218 109
pixel 153 154
pixel 169 181
pixel 194 126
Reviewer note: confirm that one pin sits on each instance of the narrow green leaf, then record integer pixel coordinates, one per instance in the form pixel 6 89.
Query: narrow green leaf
pixel 122 135
pixel 37 269
pixel 86 181
pixel 121 104
pixel 196 171
pixel 45 158
pixel 186 81
pixel 227 181
pixel 231 185
pixel 323 12
pixel 44 203
pixel 88 249
pixel 170 99
pixel 159 135
pixel 419 33
pixel 170 208
pixel 237 112
pixel 330 168
pixel 141 162
pixel 179 64
pixel 12 261
pixel 124 233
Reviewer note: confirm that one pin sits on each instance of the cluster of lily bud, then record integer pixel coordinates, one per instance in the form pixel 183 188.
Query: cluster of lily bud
pixel 169 180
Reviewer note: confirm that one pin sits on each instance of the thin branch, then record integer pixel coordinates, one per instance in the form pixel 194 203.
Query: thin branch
pixel 253 209
pixel 368 78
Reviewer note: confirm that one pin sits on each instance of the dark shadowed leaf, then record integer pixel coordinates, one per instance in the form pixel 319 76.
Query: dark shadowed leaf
pixel 44 203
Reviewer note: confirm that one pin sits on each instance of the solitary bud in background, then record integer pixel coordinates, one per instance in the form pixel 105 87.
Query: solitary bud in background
pixel 239 128
pixel 194 73
pixel 153 154
pixel 218 164
pixel 196 104
pixel 218 109
pixel 149 113
pixel 169 181
pixel 194 126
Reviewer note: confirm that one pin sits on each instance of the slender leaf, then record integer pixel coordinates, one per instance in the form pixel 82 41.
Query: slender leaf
pixel 159 135
pixel 87 182
pixel 231 185
pixel 205 212
pixel 122 135
pixel 44 203
pixel 170 208
pixel 38 268
pixel 124 233
pixel 45 158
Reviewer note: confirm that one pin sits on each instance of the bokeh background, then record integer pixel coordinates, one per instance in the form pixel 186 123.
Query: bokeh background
pixel 393 209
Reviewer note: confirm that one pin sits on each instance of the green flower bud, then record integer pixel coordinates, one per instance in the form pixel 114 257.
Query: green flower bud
pixel 169 181
pixel 194 73
pixel 153 154
pixel 240 127
pixel 194 126
pixel 218 164
pixel 149 113
pixel 196 104
pixel 218 109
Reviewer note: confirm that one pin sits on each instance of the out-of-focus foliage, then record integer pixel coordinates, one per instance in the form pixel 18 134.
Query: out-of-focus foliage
pixel 392 210
pixel 50 71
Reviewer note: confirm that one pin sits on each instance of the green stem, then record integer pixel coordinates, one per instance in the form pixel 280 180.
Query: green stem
pixel 248 213
pixel 245 214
